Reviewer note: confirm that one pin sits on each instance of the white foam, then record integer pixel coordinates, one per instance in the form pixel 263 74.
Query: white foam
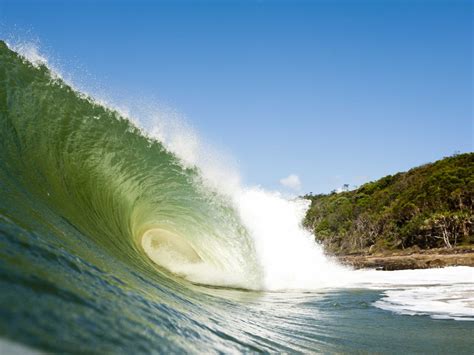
pixel 288 253
pixel 446 293
pixel 442 302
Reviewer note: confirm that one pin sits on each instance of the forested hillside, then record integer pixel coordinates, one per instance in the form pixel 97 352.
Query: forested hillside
pixel 430 206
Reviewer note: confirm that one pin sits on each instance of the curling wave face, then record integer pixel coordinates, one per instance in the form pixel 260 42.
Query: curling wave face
pixel 129 193
pixel 123 190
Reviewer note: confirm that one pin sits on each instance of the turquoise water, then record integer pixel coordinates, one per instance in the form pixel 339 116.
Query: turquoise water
pixel 109 243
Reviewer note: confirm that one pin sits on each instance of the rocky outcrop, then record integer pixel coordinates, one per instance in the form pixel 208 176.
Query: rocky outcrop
pixel 433 258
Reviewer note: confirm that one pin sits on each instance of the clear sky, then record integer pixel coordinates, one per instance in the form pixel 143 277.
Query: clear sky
pixel 333 92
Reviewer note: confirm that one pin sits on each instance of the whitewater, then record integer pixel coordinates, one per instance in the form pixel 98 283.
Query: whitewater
pixel 123 231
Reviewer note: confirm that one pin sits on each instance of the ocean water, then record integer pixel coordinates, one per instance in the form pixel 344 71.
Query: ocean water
pixel 115 237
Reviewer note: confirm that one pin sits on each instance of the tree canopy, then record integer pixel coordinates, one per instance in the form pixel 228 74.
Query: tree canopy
pixel 428 206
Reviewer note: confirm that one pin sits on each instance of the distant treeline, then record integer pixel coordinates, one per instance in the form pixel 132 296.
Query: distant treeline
pixel 430 206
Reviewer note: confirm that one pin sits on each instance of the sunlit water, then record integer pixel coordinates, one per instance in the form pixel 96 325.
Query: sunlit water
pixel 120 238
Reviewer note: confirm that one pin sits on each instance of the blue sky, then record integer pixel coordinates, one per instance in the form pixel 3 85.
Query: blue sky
pixel 331 91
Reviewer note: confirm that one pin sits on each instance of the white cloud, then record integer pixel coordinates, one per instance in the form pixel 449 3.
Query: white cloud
pixel 292 181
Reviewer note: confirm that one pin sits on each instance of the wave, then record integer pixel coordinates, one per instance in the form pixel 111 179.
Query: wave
pixel 96 182
pixel 115 184
pixel 139 196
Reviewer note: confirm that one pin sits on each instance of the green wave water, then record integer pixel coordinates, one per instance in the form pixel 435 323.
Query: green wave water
pixel 125 191
pixel 109 243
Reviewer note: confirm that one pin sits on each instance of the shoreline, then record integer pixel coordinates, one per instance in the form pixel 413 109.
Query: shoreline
pixel 411 259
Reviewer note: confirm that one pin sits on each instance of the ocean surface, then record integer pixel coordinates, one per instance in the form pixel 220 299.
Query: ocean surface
pixel 117 237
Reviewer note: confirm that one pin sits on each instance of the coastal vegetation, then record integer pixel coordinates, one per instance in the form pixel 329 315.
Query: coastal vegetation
pixel 430 206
